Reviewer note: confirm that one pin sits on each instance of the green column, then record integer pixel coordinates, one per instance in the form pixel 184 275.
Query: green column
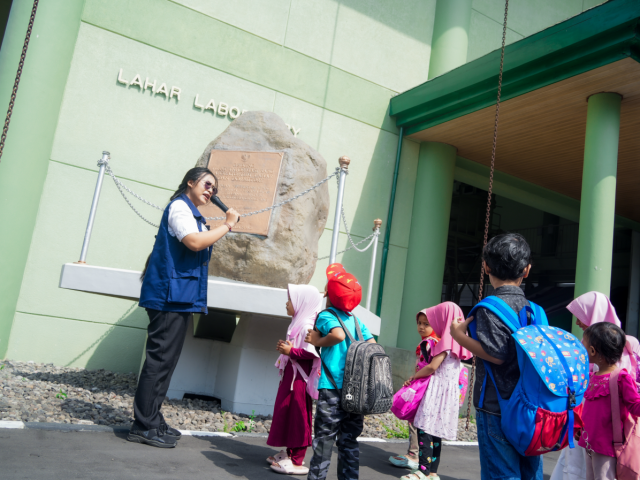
pixel 598 198
pixel 24 164
pixel 450 36
pixel 424 270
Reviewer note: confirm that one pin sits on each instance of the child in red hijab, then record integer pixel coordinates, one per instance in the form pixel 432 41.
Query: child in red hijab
pixel 343 294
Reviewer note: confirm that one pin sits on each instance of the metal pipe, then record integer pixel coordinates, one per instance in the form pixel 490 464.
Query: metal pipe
pixel 387 232
pixel 344 166
pixel 102 163
pixel 376 230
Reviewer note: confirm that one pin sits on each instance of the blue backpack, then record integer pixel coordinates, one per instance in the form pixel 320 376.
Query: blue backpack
pixel 539 416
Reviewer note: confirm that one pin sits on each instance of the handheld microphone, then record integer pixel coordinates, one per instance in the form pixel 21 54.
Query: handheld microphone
pixel 218 203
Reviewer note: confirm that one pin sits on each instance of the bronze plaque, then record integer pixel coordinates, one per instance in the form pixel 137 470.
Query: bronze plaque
pixel 247 182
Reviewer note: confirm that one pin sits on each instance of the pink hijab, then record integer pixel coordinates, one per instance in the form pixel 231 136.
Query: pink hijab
pixel 307 303
pixel 595 307
pixel 440 318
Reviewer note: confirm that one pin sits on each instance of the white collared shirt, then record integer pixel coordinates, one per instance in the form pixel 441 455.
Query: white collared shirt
pixel 181 220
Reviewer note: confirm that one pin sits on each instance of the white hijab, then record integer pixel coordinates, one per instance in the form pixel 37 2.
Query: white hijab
pixel 307 303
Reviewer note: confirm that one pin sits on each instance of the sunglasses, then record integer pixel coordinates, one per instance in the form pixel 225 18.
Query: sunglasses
pixel 210 186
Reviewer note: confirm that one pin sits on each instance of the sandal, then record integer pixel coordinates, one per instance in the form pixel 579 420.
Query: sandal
pixel 287 467
pixel 277 457
pixel 403 461
pixel 416 475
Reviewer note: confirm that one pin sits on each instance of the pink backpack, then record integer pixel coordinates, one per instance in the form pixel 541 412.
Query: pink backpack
pixel 407 400
pixel 463 383
pixel 627 447
pixel 634 360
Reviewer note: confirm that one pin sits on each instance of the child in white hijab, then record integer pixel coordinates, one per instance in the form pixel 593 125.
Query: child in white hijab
pixel 299 366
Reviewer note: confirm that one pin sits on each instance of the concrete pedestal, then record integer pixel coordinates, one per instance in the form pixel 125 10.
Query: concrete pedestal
pixel 241 371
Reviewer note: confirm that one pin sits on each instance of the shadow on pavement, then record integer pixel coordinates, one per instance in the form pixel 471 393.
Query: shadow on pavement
pixel 43 454
pixel 245 456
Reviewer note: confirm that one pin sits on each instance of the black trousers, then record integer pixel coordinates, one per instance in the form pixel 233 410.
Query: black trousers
pixel 166 334
pixel 430 447
pixel 332 423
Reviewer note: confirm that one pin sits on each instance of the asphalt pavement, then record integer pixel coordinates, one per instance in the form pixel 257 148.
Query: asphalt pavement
pixel 53 454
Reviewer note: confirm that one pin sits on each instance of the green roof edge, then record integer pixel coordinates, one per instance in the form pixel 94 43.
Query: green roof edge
pixel 597 37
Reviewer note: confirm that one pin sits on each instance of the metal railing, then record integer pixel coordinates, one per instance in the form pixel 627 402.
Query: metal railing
pixel 340 174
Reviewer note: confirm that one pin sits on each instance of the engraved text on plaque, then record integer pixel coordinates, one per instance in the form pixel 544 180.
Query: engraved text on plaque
pixel 247 182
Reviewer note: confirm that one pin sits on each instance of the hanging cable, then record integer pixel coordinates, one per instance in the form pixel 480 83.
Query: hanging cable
pixel 16 83
pixel 488 214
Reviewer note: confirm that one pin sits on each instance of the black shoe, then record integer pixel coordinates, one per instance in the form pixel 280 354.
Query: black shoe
pixel 152 437
pixel 172 432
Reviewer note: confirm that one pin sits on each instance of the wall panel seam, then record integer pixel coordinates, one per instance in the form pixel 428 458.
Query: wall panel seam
pixel 120 177
pixel 261 85
pixel 283 45
pixel 80 320
pixel 497 22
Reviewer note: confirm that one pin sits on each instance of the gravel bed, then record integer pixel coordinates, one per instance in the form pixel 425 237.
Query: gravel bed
pixel 34 392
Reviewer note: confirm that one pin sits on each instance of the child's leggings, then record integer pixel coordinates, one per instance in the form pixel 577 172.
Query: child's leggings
pixel 297 455
pixel 430 447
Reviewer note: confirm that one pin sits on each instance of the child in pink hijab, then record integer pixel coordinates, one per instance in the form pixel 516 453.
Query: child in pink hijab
pixel 437 415
pixel 595 307
pixel 589 309
pixel 299 366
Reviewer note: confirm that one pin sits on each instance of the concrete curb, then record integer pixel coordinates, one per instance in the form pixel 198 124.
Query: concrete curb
pixel 11 424
pixel 73 427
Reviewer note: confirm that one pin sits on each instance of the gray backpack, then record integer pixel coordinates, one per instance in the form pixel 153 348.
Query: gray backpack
pixel 367 387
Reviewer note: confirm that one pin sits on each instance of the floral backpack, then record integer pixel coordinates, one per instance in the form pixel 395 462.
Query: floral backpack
pixel 545 405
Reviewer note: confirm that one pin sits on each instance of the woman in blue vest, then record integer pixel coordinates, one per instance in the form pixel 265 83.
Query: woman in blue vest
pixel 174 287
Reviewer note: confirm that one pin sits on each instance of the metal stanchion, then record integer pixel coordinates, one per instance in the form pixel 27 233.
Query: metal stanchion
pixel 344 166
pixel 102 163
pixel 377 223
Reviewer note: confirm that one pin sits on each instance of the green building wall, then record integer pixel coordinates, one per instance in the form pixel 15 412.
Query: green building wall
pixel 326 67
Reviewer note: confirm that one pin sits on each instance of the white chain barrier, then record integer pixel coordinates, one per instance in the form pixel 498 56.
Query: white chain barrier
pixel 104 166
pixel 354 245
pixel 121 186
pixel 346 228
pixel 373 238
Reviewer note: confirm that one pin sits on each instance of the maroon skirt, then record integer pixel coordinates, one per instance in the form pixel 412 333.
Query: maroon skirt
pixel 292 412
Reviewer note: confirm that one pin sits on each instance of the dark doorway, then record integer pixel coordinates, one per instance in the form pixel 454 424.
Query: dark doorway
pixel 554 246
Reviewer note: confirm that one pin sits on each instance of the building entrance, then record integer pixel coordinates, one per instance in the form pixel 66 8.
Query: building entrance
pixel 554 246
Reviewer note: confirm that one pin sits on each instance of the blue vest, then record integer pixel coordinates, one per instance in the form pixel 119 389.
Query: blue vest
pixel 176 278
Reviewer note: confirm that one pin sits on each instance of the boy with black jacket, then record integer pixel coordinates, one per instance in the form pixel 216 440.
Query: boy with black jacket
pixel 507 260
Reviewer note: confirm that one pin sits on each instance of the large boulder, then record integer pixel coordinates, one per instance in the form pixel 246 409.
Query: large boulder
pixel 290 251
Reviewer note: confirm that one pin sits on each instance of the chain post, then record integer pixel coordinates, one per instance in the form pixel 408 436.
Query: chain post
pixel 102 163
pixel 16 83
pixel 344 168
pixel 488 213
pixel 377 223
